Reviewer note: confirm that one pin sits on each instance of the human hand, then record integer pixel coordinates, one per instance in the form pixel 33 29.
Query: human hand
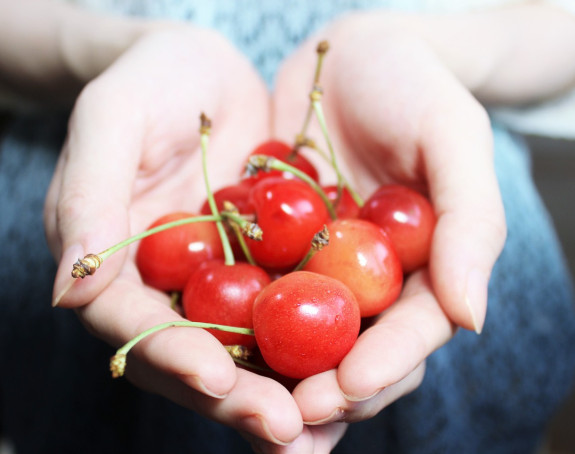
pixel 131 155
pixel 397 114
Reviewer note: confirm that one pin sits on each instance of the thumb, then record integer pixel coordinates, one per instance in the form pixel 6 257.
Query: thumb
pixel 86 208
pixel 471 228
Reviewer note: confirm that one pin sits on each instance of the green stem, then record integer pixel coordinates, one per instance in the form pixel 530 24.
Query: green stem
pixel 181 324
pixel 341 182
pixel 319 241
pixel 174 299
pixel 243 245
pixel 346 183
pixel 118 361
pixel 241 226
pixel 204 139
pixel 304 261
pixel 276 164
pixel 321 51
pixel 160 228
pixel 316 104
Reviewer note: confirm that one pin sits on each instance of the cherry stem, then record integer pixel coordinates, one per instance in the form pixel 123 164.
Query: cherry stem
pixel 174 299
pixel 321 50
pixel 319 241
pixel 240 354
pixel 205 129
pixel 244 247
pixel 241 226
pixel 356 197
pixel 315 98
pixel 118 361
pixel 91 262
pixel 267 163
pixel 250 229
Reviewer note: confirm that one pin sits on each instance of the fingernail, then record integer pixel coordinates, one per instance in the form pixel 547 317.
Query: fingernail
pixel 476 298
pixel 256 425
pixel 63 276
pixel 63 292
pixel 361 399
pixel 337 415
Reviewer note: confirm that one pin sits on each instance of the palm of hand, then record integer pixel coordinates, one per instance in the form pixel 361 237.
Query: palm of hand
pixel 148 163
pixel 396 114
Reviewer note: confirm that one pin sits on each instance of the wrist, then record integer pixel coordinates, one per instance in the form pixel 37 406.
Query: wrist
pixel 507 55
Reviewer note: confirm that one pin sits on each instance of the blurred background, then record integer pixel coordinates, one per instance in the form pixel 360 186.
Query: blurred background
pixel 554 173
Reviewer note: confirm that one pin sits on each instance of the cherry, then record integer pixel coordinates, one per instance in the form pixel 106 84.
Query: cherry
pixel 283 152
pixel 409 220
pixel 346 207
pixel 224 294
pixel 236 194
pixel 361 255
pixel 305 323
pixel 166 260
pixel 289 213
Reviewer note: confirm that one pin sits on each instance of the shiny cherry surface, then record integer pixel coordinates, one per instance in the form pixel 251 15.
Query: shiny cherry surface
pixel 166 259
pixel 409 220
pixel 305 323
pixel 361 255
pixel 224 294
pixel 290 213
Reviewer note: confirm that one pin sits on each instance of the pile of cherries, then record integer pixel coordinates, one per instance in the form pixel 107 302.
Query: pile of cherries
pixel 304 304
pixel 295 264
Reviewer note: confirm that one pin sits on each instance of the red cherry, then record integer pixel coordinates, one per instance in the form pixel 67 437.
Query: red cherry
pixel 346 208
pixel 305 323
pixel 289 213
pixel 167 259
pixel 409 220
pixel 361 255
pixel 283 152
pixel 224 294
pixel 236 194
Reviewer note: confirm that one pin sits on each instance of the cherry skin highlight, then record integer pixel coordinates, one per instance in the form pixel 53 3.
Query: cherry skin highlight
pixel 224 294
pixel 290 213
pixel 166 259
pixel 409 220
pixel 361 255
pixel 305 323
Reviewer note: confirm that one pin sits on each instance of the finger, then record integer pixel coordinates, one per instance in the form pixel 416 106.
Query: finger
pixel 400 340
pixel 471 229
pixel 390 355
pixel 429 131
pixel 94 190
pixel 126 309
pixel 334 407
pixel 313 440
pixel 257 406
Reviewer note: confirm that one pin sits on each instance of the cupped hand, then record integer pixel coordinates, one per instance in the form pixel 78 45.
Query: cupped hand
pixel 396 113
pixel 132 155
